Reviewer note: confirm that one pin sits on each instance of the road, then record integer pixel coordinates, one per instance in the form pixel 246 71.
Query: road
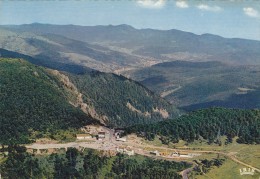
pixel 109 143
pixel 185 173
pixel 229 155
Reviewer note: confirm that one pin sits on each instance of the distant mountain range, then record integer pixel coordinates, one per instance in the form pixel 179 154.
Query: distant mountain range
pixel 159 44
pixel 191 71
pixel 53 48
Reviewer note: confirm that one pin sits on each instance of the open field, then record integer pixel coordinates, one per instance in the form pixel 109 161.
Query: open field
pixel 248 154
pixel 229 170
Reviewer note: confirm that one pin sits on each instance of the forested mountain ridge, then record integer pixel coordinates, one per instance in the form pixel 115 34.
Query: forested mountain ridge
pixel 120 101
pixel 36 100
pixel 209 124
pixel 32 103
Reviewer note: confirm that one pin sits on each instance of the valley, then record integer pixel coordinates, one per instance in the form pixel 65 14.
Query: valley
pixel 204 71
pixel 196 85
pixel 162 103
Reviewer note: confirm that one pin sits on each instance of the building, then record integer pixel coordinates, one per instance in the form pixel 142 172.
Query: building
pixel 118 133
pixel 83 136
pixel 156 153
pixel 122 139
pixel 101 135
pixel 175 154
pixel 189 155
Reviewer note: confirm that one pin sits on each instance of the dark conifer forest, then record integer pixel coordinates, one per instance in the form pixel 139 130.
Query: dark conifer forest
pixel 89 164
pixel 209 124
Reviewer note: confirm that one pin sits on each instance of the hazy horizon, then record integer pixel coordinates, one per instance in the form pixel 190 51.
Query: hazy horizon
pixel 130 26
pixel 230 19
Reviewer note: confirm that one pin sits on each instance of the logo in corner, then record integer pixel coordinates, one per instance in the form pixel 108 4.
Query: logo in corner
pixel 246 171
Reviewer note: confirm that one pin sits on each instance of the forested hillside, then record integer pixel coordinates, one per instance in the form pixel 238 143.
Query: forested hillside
pixel 31 102
pixel 39 102
pixel 210 124
pixel 122 101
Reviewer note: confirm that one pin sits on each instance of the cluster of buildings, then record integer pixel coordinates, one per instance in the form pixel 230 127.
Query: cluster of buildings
pixel 88 136
pixel 92 135
pixel 173 154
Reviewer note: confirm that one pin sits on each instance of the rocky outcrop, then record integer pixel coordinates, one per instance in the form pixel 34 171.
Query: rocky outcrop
pixel 76 98
pixel 132 108
pixel 163 112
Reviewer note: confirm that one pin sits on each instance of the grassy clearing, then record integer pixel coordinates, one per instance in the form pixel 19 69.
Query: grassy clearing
pixel 249 154
pixel 229 170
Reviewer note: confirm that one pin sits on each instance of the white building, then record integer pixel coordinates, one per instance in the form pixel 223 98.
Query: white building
pixel 83 136
pixel 123 139
pixel 101 135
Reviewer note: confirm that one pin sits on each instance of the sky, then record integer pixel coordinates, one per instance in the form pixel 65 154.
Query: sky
pixel 227 18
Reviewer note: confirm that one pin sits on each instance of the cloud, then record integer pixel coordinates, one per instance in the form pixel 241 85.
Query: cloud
pixel 205 7
pixel 249 11
pixel 182 4
pixel 152 4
